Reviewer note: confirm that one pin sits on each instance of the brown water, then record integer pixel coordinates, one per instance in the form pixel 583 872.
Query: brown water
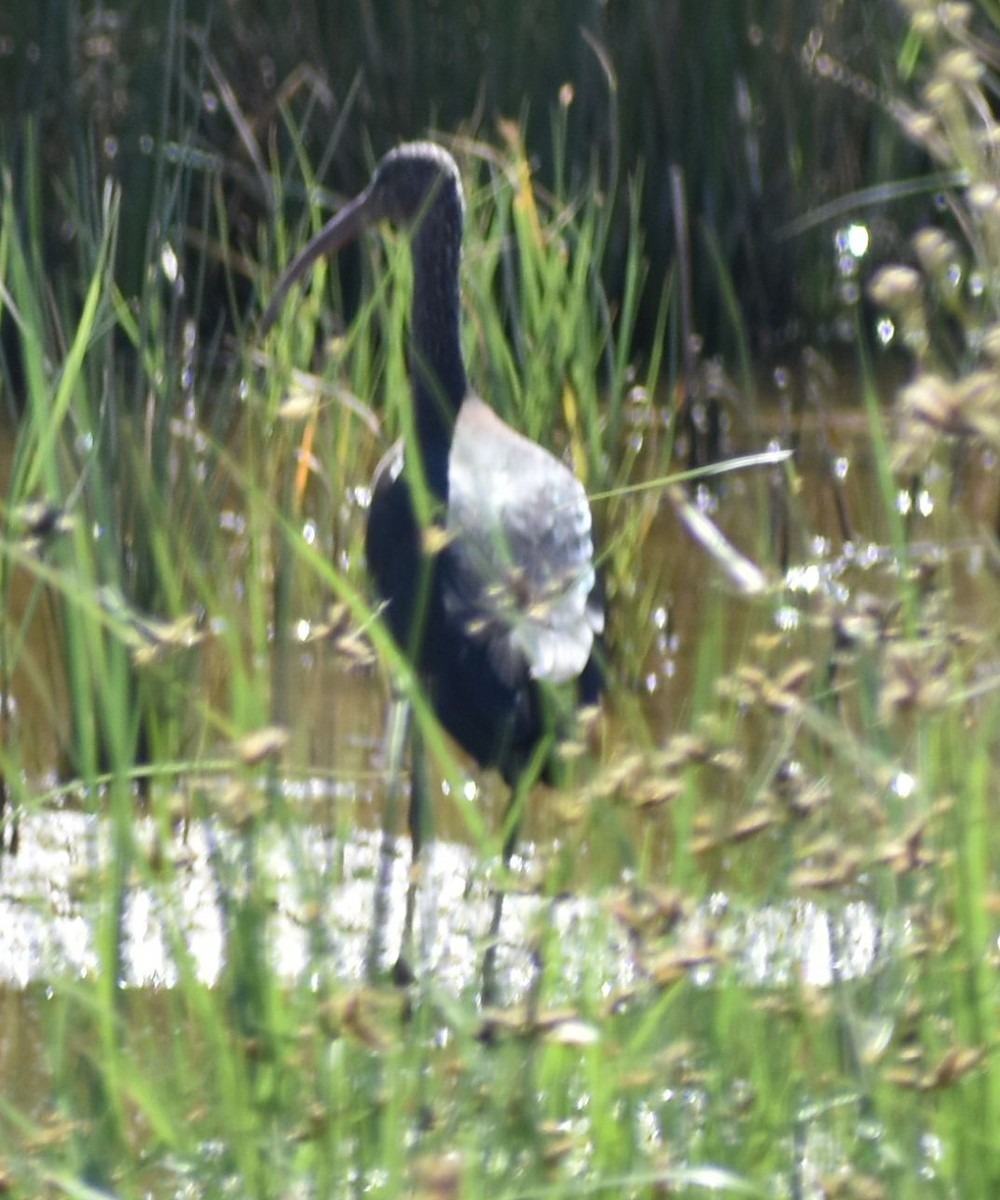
pixel 335 780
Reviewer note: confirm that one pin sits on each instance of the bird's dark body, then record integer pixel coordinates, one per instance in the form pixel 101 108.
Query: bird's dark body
pixel 494 719
pixel 480 686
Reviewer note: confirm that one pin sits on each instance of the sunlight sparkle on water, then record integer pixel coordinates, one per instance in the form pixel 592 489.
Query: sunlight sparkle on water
pixel 853 239
pixel 849 292
pixel 787 618
pixel 168 263
pixel 309 533
pixel 906 502
pixel 932 1149
pixel 469 789
pixel 904 785
pixel 232 522
pixel 706 500
pixel 803 579
pixel 869 555
pixel 885 331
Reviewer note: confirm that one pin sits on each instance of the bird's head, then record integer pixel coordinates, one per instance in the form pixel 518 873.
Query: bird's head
pixel 410 183
pixel 410 180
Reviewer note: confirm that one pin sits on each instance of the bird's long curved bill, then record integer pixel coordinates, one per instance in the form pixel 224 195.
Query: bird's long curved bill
pixel 348 224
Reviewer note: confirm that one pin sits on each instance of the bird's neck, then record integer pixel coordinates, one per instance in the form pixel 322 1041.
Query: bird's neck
pixel 439 384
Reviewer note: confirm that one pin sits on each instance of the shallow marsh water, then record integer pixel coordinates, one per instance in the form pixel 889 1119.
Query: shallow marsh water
pixel 321 854
pixel 337 713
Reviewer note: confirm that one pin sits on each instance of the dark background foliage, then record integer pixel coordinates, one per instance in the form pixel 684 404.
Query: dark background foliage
pixel 770 107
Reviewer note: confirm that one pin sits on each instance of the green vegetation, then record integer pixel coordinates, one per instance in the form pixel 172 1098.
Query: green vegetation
pixel 770 108
pixel 756 952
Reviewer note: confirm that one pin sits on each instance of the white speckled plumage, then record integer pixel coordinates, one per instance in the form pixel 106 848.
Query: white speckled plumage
pixel 520 526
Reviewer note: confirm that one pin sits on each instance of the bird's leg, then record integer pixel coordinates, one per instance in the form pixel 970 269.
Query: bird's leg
pixel 419 821
pixel 526 780
pixel 491 994
pixel 420 809
pixel 512 818
pixel 511 830
pixel 397 730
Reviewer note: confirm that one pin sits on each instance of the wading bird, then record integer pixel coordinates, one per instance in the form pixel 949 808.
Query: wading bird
pixel 479 540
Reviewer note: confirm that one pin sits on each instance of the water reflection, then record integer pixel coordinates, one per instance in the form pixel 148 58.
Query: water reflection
pixel 317 882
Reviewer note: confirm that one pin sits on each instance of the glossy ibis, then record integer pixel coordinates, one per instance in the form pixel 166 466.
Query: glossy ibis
pixel 497 606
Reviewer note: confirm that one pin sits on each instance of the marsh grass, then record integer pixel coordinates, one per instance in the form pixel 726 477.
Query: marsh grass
pixel 133 461
pixel 830 768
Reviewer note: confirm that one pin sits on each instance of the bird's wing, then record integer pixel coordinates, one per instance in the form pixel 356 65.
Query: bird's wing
pixel 521 548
